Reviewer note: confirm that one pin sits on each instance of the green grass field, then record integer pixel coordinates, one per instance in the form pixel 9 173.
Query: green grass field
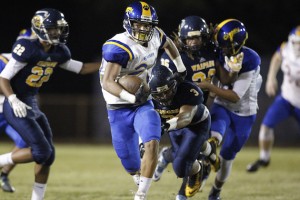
pixel 93 172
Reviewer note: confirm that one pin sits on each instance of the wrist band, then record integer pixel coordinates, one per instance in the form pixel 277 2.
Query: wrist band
pixel 127 96
pixel 179 64
pixel 173 123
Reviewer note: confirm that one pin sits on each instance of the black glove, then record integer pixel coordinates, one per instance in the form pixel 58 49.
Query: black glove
pixel 142 94
pixel 179 76
pixel 164 128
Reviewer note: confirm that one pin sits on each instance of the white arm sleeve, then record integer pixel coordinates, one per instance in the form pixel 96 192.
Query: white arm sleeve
pixel 243 82
pixel 72 65
pixel 12 68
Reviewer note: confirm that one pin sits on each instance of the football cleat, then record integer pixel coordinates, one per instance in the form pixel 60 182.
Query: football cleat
pixel 181 197
pixel 161 165
pixel 213 156
pixel 194 182
pixel 206 172
pixel 181 192
pixel 253 167
pixel 5 184
pixel 140 196
pixel 214 194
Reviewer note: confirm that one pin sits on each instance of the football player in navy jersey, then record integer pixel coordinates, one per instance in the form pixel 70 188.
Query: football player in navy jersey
pixel 131 116
pixel 186 121
pixel 235 106
pixel 199 56
pixel 4 126
pixel 32 64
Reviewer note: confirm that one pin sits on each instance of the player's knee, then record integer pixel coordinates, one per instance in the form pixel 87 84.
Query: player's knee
pixel 266 133
pixel 41 156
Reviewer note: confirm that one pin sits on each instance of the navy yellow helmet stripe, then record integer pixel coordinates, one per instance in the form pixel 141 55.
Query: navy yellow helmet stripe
pixel 146 11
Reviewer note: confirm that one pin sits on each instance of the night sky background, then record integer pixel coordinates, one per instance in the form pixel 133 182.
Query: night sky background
pixel 92 22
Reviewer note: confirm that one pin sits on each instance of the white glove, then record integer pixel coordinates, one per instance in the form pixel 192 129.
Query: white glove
pixel 235 62
pixel 20 108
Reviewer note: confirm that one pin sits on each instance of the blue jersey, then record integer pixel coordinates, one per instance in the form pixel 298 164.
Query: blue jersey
pixel 192 96
pixel 201 66
pixel 40 65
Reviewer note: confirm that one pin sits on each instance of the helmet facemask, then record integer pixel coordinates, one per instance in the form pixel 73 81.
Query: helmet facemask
pixel 141 32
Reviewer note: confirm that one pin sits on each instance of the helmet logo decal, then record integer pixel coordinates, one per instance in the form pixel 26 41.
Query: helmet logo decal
pixel 129 10
pixel 231 34
pixel 37 21
pixel 146 12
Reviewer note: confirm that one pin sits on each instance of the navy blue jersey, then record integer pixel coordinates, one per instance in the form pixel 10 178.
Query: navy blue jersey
pixel 200 67
pixel 40 65
pixel 187 94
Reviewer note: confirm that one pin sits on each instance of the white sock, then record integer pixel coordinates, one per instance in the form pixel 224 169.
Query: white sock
pixel 38 191
pixel 265 155
pixel 6 159
pixel 145 184
pixel 136 179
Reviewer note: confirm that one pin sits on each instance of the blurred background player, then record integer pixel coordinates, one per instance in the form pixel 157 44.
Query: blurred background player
pixel 33 62
pixel 4 126
pixel 235 106
pixel 135 52
pixel 287 102
pixel 185 120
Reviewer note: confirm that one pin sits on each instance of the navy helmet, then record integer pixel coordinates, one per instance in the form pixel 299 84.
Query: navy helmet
pixel 50 26
pixel 193 26
pixel 162 84
pixel 230 36
pixel 141 13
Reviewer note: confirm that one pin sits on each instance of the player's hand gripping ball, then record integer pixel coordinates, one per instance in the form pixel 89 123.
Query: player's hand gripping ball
pixel 136 86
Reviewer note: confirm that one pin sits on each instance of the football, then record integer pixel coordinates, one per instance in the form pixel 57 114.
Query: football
pixel 132 83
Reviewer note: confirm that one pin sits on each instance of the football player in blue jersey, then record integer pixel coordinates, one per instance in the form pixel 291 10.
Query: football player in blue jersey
pixel 131 116
pixel 4 126
pixel 32 64
pixel 186 121
pixel 235 106
pixel 287 102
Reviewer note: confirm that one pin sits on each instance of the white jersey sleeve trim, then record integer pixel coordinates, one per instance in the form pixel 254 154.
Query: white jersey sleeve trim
pixel 12 68
pixel 72 65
